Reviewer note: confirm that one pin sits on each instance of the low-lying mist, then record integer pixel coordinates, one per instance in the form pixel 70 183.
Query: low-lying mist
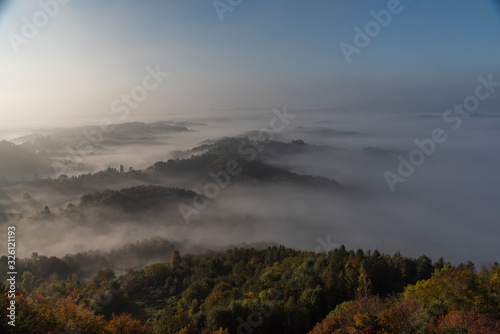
pixel 447 207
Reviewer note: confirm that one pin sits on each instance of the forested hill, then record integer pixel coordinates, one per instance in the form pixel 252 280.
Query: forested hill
pixel 253 161
pixel 56 140
pixel 274 290
pixel 125 187
pixel 137 199
pixel 196 164
pixel 17 161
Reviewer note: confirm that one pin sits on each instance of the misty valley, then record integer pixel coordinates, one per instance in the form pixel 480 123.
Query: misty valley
pixel 97 232
pixel 249 167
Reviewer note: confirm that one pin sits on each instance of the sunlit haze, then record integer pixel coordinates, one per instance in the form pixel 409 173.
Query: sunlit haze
pixel 249 166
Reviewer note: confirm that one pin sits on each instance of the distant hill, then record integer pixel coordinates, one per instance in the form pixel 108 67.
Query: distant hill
pixel 125 133
pixel 17 162
pixel 195 168
pixel 136 199
pixel 253 167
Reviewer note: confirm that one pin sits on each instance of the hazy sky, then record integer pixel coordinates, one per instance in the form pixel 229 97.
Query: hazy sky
pixel 263 54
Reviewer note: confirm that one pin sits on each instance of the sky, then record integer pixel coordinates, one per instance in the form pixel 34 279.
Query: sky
pixel 263 54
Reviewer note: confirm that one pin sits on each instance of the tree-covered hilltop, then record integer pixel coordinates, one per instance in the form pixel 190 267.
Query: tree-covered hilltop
pixel 86 264
pixel 209 164
pixel 53 141
pixel 63 149
pixel 193 166
pixel 273 290
pixel 454 300
pixel 252 160
pixel 139 198
pixel 108 207
pixel 17 162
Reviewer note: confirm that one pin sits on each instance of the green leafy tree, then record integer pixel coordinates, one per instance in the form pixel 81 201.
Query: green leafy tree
pixel 27 283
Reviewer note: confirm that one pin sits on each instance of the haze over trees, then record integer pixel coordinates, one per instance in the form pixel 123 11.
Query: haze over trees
pixel 246 167
pixel 273 290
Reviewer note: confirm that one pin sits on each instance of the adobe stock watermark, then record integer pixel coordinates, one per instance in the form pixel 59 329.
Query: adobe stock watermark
pixel 121 106
pixel 363 37
pixel 249 150
pixel 223 6
pixel 31 26
pixel 454 118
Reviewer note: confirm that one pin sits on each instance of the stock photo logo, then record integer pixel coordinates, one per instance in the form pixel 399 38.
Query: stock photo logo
pixel 364 36
pixel 453 117
pixel 32 24
pixel 224 7
pixel 247 150
pixel 249 167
